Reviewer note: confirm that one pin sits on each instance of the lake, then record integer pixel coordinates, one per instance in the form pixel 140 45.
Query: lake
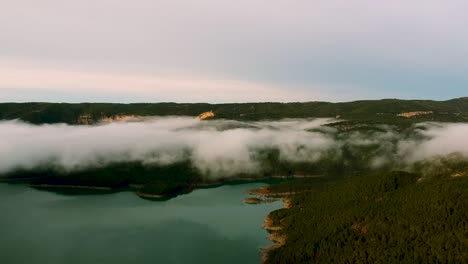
pixel 206 226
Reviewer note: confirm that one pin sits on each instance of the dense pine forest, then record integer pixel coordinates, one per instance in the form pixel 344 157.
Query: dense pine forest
pixel 379 217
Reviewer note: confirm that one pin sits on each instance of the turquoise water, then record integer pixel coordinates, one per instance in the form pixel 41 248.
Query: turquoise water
pixel 205 226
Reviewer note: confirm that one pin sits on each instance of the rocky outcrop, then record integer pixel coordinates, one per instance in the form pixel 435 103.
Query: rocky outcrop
pixel 85 119
pixel 121 118
pixel 416 113
pixel 206 115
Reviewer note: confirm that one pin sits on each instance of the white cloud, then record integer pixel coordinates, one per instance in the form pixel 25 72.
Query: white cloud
pixel 443 140
pixel 217 153
pixel 219 148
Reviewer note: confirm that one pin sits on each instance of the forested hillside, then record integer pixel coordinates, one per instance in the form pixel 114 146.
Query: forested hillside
pixel 379 217
pixel 377 110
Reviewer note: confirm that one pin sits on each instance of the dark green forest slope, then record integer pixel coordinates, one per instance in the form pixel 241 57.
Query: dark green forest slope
pixel 377 110
pixel 379 217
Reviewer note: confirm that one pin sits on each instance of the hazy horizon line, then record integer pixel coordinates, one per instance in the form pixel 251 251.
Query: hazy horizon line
pixel 222 103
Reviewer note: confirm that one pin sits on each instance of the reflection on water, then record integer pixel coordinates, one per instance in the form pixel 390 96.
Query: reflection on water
pixel 205 226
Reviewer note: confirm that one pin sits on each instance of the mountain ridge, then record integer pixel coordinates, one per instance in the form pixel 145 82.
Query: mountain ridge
pixel 453 110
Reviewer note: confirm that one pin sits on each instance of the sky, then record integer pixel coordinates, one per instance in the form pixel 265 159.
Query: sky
pixel 232 51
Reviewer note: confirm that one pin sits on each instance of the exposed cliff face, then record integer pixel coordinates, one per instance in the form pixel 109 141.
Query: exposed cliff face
pixel 206 115
pixel 121 118
pixel 88 119
pixel 85 119
pixel 416 113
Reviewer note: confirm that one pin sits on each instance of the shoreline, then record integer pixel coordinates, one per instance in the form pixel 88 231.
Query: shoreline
pixel 275 234
pixel 274 231
pixel 255 200
pixel 263 194
pixel 65 186
pixel 216 183
pixel 151 196
pixel 228 181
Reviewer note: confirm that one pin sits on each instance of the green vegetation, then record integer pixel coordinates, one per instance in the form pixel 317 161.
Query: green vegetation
pixel 161 180
pixel 377 111
pixel 168 180
pixel 166 188
pixel 377 217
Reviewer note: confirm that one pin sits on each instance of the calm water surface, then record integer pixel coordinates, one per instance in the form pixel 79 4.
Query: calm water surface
pixel 205 226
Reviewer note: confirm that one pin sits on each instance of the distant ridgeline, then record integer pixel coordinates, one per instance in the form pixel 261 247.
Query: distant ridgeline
pixel 388 110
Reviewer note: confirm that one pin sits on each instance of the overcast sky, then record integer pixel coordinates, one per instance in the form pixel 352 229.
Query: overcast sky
pixel 232 51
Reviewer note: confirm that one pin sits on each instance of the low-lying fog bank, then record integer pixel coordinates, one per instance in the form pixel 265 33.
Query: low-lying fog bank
pixel 222 147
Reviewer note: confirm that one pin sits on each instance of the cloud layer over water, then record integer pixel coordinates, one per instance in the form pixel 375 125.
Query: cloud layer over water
pixel 217 148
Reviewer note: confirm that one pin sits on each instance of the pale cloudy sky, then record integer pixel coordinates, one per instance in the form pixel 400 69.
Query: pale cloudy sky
pixel 232 51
